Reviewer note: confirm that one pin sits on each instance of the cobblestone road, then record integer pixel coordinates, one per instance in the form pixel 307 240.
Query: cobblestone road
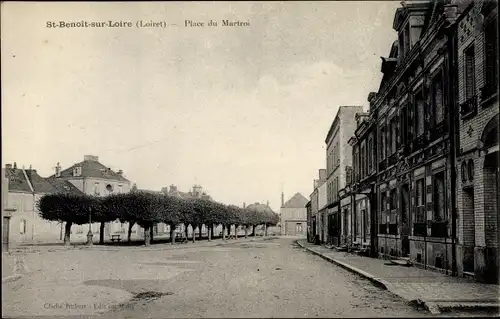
pixel 272 278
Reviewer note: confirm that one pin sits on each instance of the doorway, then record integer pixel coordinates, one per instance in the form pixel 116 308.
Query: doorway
pixel 469 229
pixel 490 184
pixel 405 223
pixel 5 233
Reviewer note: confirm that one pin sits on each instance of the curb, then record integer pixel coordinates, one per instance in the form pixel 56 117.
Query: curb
pixel 431 307
pixel 377 281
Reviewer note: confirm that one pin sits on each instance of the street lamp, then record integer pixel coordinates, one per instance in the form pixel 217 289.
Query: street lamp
pixel 89 234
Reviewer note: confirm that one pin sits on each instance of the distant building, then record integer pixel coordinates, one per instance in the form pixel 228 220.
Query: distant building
pixel 93 178
pixel 338 157
pixel 293 216
pixel 23 189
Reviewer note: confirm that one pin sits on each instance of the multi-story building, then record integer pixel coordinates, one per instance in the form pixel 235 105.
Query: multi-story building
pixel 293 215
pixel 338 156
pixel 477 189
pixel 23 189
pixel 412 120
pixel 313 225
pixel 363 178
pixel 93 178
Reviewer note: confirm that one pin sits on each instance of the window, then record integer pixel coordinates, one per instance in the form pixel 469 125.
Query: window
pixel 394 199
pixel 439 199
pixel 23 227
pixel 491 63
pixel 410 123
pixel 437 98
pixel 370 155
pixel 403 125
pixel 420 213
pixel 97 189
pixel 363 155
pixel 366 224
pixel 470 77
pixel 298 227
pixel 382 143
pixel 120 189
pixel 394 135
pixel 420 116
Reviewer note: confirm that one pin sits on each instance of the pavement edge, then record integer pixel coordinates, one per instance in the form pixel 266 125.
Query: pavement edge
pixel 431 307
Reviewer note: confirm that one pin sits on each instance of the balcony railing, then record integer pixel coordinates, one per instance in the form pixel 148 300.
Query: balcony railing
pixel 420 229
pixel 439 229
pixel 469 107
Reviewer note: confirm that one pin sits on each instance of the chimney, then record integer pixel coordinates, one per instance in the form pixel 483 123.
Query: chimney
pixel 173 188
pixel 15 165
pixel 91 158
pixel 8 165
pixel 267 203
pixel 282 199
pixel 244 205
pixel 134 187
pixel 120 172
pixel 58 170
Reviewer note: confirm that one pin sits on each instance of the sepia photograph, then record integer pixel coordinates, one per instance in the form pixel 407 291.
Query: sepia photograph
pixel 250 159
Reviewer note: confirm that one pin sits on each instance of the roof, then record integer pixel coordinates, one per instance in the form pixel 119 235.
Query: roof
pixel 259 207
pixel 148 191
pixel 20 182
pixel 64 186
pixel 92 168
pixel 297 201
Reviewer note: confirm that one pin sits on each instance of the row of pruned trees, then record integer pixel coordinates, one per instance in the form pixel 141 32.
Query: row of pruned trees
pixel 146 210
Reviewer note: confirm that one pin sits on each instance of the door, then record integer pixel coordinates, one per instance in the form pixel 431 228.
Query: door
pixel 5 234
pixel 405 225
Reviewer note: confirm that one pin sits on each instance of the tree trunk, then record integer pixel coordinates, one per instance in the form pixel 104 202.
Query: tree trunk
pixel 186 231
pixel 212 231
pixel 199 232
pixel 265 229
pixel 172 234
pixel 67 233
pixel 194 233
pixel 223 232
pixel 101 233
pixel 151 232
pixel 246 232
pixel 209 232
pixel 235 231
pixel 253 231
pixel 129 235
pixel 147 234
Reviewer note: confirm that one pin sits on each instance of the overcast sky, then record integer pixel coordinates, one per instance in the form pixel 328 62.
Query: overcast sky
pixel 243 111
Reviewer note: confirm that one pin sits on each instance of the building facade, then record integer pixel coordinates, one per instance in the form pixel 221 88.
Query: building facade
pixel 293 214
pixel 317 212
pixel 24 188
pixel 93 178
pixel 338 157
pixel 477 189
pixel 425 155
pixel 363 179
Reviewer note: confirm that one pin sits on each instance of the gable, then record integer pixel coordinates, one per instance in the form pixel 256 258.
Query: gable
pixel 297 201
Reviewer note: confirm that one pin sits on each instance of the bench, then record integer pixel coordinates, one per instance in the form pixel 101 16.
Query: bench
pixel 115 238
pixel 179 237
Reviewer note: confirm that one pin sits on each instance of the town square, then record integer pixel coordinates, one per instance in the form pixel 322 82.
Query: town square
pixel 250 159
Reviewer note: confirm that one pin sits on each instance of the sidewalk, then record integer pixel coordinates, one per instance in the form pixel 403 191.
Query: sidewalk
pixel 46 248
pixel 437 292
